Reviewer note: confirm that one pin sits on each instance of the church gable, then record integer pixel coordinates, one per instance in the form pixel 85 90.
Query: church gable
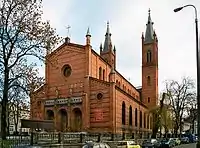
pixel 66 64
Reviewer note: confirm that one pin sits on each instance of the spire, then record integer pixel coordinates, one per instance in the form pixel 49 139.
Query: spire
pixel 107 42
pixel 149 35
pixel 88 32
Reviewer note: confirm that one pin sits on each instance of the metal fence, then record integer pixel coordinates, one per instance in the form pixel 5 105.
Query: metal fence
pixel 60 138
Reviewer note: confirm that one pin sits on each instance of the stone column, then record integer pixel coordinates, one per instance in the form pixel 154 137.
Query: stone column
pixel 55 116
pixel 86 104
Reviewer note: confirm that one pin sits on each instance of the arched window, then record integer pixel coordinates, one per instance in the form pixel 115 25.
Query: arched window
pixel 141 119
pixel 104 74
pixel 123 113
pixel 148 80
pixel 100 73
pixel 147 121
pixel 148 56
pixel 144 120
pixel 136 118
pixel 130 115
pixel 148 99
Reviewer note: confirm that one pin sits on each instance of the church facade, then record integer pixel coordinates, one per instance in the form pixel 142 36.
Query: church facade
pixel 83 90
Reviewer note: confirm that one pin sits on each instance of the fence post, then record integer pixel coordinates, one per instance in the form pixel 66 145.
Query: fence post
pixel 59 137
pixel 99 137
pixel 31 139
pixel 112 137
pixel 81 138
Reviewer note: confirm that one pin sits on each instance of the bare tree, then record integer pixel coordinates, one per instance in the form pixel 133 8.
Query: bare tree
pixel 22 34
pixel 192 114
pixel 180 95
pixel 19 93
pixel 166 119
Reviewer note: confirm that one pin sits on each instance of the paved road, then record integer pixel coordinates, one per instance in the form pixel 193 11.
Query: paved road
pixel 193 145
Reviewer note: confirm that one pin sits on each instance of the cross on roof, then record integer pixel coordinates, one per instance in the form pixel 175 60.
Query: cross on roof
pixel 68 27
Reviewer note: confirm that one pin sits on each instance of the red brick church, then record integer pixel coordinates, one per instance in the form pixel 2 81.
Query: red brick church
pixel 83 90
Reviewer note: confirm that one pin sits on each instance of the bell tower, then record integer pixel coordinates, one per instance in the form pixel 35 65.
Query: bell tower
pixel 150 65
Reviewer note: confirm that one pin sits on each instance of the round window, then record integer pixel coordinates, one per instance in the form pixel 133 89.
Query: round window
pixel 99 95
pixel 67 70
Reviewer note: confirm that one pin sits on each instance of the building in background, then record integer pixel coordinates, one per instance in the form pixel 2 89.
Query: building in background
pixel 23 114
pixel 85 92
pixel 13 118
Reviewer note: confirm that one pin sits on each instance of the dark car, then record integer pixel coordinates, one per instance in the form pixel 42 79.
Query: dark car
pixel 151 143
pixel 185 140
pixel 168 143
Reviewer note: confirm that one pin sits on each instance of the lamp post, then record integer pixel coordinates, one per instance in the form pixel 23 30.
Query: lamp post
pixel 198 68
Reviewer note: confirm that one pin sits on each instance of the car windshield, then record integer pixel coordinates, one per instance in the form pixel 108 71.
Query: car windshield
pixel 131 142
pixel 147 141
pixel 165 140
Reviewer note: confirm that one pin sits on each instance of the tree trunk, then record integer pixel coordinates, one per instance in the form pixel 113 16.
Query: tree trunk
pixel 156 125
pixel 8 124
pixel 193 126
pixel 16 132
pixel 4 104
pixel 176 130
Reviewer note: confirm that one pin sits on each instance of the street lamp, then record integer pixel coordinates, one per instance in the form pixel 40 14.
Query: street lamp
pixel 198 68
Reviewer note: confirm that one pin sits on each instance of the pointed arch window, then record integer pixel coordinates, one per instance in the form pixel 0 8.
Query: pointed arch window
pixel 130 115
pixel 136 117
pixel 104 74
pixel 148 99
pixel 144 120
pixel 100 73
pixel 148 80
pixel 147 121
pixel 123 113
pixel 141 119
pixel 149 56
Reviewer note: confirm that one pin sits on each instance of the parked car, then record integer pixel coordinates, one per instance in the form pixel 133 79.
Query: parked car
pixel 127 144
pixel 26 146
pixel 168 143
pixel 96 145
pixel 177 141
pixel 196 139
pixel 185 140
pixel 151 143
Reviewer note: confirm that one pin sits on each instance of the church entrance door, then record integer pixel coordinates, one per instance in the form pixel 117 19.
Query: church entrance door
pixel 77 120
pixel 63 122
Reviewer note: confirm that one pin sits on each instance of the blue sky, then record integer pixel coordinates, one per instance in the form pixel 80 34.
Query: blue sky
pixel 128 18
